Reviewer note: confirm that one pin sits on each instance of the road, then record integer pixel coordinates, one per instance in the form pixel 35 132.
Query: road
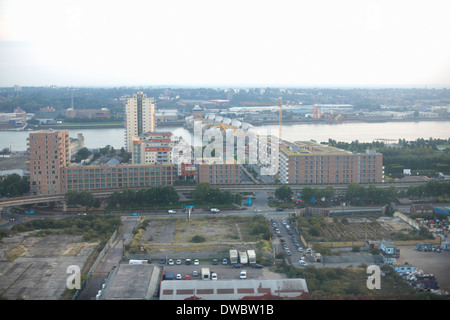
pixel 338 188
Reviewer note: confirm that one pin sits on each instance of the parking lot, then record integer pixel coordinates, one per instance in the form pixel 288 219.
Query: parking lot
pixel 222 271
pixel 429 262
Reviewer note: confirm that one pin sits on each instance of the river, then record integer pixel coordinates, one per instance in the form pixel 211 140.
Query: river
pixel 346 132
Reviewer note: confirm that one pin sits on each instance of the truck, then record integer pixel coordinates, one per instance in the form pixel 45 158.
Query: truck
pixel 233 256
pixel 169 276
pixel 205 274
pixel 251 256
pixel 243 257
pixel 317 257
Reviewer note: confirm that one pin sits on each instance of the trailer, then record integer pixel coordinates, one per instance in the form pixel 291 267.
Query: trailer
pixel 136 262
pixel 243 257
pixel 233 256
pixel 205 274
pixel 251 256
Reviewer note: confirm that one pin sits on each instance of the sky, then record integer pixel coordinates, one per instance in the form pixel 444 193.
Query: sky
pixel 228 43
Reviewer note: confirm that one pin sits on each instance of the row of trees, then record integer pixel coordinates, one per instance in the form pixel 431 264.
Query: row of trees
pixel 82 198
pixel 369 194
pixel 108 151
pixel 156 195
pixel 205 194
pixel 14 186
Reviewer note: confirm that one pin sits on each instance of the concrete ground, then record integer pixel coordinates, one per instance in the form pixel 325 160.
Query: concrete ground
pixel 40 270
pixel 430 262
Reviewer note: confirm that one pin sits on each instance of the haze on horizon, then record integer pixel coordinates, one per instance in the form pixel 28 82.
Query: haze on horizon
pixel 225 43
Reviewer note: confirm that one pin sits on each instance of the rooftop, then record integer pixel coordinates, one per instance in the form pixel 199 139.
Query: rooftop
pixel 232 289
pixel 133 282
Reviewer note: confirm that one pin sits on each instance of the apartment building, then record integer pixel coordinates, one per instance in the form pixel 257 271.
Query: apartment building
pixel 140 118
pixel 153 148
pixel 49 153
pixel 92 178
pixel 310 163
pixel 218 172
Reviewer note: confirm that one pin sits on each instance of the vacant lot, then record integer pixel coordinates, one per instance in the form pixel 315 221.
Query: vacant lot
pixel 167 236
pixel 362 228
pixel 35 268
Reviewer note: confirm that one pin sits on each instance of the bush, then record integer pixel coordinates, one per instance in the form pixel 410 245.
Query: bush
pixel 198 239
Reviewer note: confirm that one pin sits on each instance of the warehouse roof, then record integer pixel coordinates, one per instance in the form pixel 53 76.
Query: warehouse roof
pixel 232 289
pixel 133 282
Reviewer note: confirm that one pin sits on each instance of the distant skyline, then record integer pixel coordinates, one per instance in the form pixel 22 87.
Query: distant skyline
pixel 213 43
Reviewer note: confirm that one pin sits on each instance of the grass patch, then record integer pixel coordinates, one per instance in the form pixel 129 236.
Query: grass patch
pixel 14 253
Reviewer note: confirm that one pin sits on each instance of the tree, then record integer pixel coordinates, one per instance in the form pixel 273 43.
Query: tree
pixel 328 192
pixel 201 192
pixel 354 190
pixel 82 154
pixel 284 193
pixel 13 186
pixel 307 194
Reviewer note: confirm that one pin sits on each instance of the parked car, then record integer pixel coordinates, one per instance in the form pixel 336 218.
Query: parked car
pixel 237 265
pixel 302 263
pixel 178 261
pixel 257 266
pixel 170 262
pixel 162 261
pixel 172 211
pixel 188 261
pixel 214 262
pixel 224 261
pixel 214 276
pixel 215 210
pixel 178 276
pixel 196 262
pixel 186 277
pixel 195 273
pixel 243 274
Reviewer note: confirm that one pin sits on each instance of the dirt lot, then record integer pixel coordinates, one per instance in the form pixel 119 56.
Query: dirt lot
pixel 168 236
pixel 363 228
pixel 35 268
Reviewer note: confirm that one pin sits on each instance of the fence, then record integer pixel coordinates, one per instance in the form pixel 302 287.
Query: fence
pixel 94 266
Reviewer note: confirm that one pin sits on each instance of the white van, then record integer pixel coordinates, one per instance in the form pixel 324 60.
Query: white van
pixel 302 263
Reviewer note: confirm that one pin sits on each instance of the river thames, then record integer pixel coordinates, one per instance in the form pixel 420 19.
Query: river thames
pixel 346 132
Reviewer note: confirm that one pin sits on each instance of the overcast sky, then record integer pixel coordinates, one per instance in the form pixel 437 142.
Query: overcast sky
pixel 225 43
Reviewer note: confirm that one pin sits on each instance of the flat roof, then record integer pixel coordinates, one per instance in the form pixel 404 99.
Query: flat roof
pixel 231 289
pixel 133 282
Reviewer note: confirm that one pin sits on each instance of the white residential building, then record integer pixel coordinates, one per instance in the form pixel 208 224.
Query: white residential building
pixel 140 117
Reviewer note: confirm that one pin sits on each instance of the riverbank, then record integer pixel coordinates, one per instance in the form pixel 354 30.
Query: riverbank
pixel 327 122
